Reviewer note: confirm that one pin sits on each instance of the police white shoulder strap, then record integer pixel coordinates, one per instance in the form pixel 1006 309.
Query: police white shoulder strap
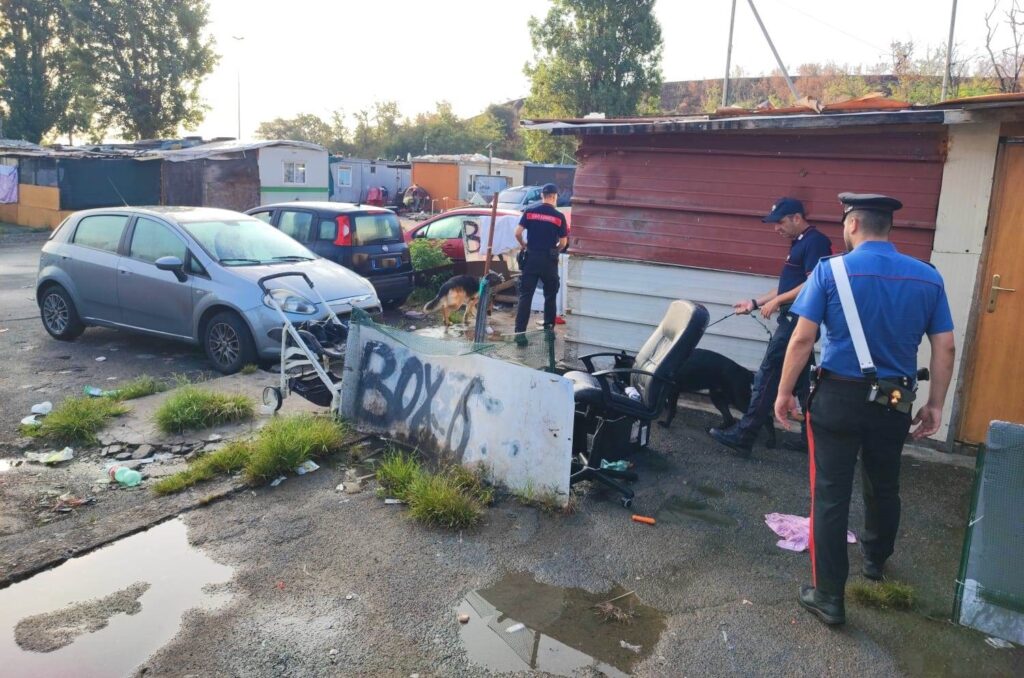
pixel 860 343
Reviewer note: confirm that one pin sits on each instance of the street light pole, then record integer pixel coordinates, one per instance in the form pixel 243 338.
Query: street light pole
pixel 949 52
pixel 238 88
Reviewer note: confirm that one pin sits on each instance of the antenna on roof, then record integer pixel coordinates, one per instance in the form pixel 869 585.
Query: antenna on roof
pixel 118 192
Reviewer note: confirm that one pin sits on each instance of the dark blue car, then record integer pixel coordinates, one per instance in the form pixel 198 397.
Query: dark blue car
pixel 362 238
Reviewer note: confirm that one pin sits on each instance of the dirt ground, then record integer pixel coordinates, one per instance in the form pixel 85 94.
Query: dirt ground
pixel 327 583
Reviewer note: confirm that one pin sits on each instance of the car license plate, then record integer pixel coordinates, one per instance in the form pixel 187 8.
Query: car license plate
pixel 386 262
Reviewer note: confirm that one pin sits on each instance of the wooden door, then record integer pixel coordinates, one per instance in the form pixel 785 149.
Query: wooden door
pixel 995 388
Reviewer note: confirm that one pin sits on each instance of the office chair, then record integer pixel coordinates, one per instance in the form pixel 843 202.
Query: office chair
pixel 609 423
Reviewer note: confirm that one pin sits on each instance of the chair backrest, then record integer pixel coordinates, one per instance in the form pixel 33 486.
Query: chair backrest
pixel 667 348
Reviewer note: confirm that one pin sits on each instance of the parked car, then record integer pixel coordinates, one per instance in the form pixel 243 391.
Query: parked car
pixel 363 238
pixel 447 227
pixel 187 273
pixel 521 197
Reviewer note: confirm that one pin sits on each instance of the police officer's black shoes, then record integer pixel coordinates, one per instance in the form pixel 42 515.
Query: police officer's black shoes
pixel 521 340
pixel 829 609
pixel 732 438
pixel 872 569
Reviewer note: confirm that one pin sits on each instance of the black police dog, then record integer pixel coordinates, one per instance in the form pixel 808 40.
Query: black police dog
pixel 727 382
pixel 460 290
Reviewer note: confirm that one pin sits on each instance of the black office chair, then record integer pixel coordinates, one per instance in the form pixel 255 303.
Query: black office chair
pixel 609 423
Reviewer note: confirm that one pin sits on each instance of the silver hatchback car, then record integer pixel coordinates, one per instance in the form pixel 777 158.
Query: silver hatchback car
pixel 187 273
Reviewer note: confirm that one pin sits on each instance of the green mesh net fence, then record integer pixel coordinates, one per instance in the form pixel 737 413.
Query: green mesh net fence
pixel 534 349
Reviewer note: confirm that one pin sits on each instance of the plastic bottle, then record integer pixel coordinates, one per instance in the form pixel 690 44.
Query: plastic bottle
pixel 125 476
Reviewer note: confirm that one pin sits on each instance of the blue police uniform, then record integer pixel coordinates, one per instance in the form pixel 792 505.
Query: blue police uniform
pixel 544 226
pixel 804 253
pixel 898 299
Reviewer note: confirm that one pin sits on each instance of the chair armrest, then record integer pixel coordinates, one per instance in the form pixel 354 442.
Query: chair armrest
pixel 602 378
pixel 618 355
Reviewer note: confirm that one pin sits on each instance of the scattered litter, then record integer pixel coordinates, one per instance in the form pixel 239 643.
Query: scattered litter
pixel 628 646
pixel 3 329
pixel 515 628
pixel 412 328
pixel 415 314
pixel 68 502
pixel 340 487
pixel 391 500
pixel 489 330
pixel 463 618
pixel 214 438
pixel 280 586
pixel 349 597
pixel 43 408
pixel 277 481
pixel 620 465
pixel 795 531
pixel 999 643
pixel 96 392
pixel 101 358
pixel 67 454
pixel 747 602
pixel 646 520
pixel 124 476
pixel 31 420
pixel 333 652
pixel 307 466
pixel 111 378
pixel 632 393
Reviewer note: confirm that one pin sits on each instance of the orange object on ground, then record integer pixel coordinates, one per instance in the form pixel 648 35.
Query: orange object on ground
pixel 643 519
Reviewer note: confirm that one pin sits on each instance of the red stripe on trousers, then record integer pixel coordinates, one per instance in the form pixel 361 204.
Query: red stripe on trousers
pixel 810 455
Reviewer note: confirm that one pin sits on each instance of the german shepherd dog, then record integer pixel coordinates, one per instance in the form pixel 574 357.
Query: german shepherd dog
pixel 460 290
pixel 727 382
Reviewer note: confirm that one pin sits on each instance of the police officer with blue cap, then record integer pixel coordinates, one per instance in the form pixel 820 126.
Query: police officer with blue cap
pixel 807 246
pixel 876 305
pixel 546 230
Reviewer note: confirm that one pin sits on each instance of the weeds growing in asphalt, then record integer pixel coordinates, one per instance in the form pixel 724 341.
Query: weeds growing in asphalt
pixel 547 500
pixel 453 498
pixel 886 595
pixel 396 473
pixel 76 420
pixel 194 408
pixel 277 449
pixel 138 387
pixel 249 369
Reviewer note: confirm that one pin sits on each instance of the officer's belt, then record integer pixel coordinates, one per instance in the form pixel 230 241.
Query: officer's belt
pixel 905 382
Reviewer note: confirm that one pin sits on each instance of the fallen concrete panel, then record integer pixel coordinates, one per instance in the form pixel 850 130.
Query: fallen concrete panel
pixel 517 421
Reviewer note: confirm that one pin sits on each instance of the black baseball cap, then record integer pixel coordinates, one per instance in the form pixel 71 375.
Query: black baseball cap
pixel 548 189
pixel 783 207
pixel 869 201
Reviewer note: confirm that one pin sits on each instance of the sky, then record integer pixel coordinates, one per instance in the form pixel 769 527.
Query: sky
pixel 312 56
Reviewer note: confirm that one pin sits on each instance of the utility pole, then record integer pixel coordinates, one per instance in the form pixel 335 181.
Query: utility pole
pixel 238 88
pixel 490 157
pixel 728 57
pixel 949 52
pixel 778 59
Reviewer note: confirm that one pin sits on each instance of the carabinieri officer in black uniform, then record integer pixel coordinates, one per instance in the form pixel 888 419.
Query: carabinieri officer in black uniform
pixel 875 304
pixel 546 235
pixel 807 246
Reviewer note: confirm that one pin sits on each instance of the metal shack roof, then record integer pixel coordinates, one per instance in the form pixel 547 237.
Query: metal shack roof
pixel 807 114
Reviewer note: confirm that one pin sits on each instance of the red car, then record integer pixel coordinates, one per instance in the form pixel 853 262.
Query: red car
pixel 447 227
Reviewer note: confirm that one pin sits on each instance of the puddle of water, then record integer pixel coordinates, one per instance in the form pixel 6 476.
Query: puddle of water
pixel 680 510
pixel 562 632
pixel 750 488
pixel 710 491
pixel 161 557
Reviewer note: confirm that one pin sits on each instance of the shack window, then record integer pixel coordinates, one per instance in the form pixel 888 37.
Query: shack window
pixel 344 176
pixel 294 172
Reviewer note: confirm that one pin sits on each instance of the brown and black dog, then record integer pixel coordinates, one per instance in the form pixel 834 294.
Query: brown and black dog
pixel 459 291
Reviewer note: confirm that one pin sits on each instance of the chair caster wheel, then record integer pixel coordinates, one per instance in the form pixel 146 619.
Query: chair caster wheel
pixel 272 397
pixel 626 502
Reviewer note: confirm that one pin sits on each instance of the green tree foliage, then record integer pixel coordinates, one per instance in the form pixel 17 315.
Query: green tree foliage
pixel 591 56
pixel 35 66
pixel 303 127
pixel 149 58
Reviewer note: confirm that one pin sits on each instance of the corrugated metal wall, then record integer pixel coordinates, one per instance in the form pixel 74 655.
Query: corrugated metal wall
pixel 696 199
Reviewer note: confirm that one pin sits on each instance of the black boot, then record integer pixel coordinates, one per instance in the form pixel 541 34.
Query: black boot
pixel 829 609
pixel 872 569
pixel 733 438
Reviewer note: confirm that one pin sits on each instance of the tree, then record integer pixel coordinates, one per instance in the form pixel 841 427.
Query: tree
pixel 591 56
pixel 149 58
pixel 1008 62
pixel 34 66
pixel 303 127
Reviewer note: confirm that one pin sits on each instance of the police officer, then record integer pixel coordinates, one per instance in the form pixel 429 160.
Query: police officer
pixel 808 245
pixel 546 235
pixel 861 401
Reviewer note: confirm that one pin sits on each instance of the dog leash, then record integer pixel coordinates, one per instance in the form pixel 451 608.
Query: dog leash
pixel 750 315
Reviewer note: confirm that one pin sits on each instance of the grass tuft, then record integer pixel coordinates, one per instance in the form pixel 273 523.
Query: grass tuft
pixel 193 408
pixel 139 387
pixel 396 474
pixel 887 595
pixel 249 369
pixel 277 449
pixel 473 482
pixel 546 499
pixel 438 499
pixel 76 420
pixel 286 442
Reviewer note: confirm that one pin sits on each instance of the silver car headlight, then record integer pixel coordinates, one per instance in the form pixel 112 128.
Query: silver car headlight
pixel 290 302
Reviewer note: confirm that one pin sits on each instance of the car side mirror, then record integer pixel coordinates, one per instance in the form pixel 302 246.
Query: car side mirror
pixel 174 265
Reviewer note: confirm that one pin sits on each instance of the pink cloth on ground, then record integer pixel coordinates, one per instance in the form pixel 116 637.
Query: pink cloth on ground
pixel 795 531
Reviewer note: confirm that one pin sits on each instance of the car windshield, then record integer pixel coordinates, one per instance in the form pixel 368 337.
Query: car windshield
pixel 512 196
pixel 245 242
pixel 379 227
